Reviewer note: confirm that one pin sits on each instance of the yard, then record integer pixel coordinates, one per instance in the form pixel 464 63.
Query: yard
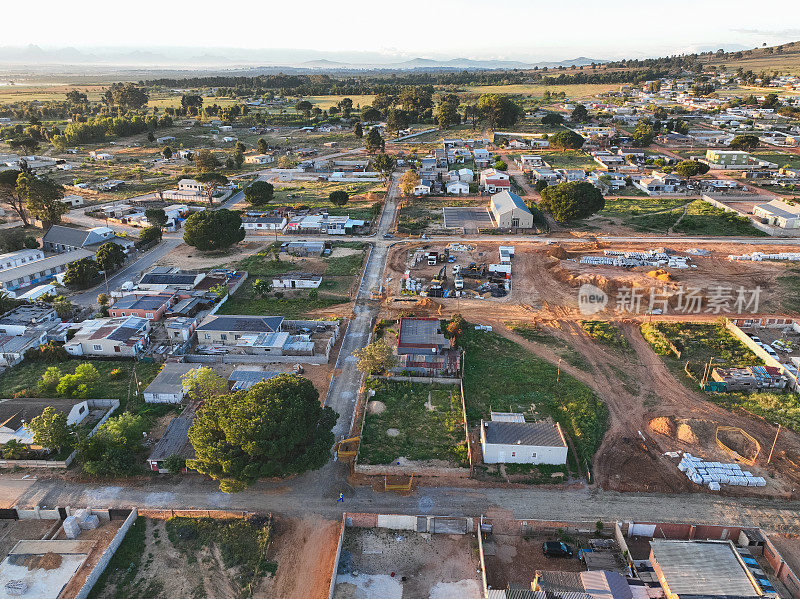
pixel 339 271
pixel 415 421
pixel 790 160
pixel 701 342
pixel 628 208
pixel 500 375
pixel 365 197
pixel 696 218
pixel 570 159
pixel 417 214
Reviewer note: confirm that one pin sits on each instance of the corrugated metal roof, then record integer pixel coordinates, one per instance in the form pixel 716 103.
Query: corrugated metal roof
pixel 602 584
pixel 540 434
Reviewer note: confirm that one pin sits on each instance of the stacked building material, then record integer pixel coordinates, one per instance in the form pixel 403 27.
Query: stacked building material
pixel 717 473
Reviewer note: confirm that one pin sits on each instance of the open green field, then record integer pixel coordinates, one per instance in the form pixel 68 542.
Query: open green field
pixel 427 421
pixel 46 93
pixel 365 201
pixel 577 91
pixel 605 332
pixel 701 218
pixel 570 159
pixel 781 159
pixel 500 375
pixel 417 214
pixel 790 283
pixel 326 102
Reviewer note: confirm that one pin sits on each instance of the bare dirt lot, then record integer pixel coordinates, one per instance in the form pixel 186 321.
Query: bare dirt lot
pixel 12 531
pixel 383 564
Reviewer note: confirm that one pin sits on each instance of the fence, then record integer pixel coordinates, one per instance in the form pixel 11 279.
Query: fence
pixel 105 558
pixel 761 353
pixel 336 561
pixel 255 359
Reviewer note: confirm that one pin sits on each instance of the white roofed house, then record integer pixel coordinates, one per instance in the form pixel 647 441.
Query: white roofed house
pixel 508 439
pixel 168 386
pixel 778 213
pixel 457 188
pixel 509 211
pixel 423 188
pixel 296 281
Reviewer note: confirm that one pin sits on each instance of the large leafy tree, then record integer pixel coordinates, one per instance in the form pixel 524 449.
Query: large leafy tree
pixel 498 110
pixel 205 161
pixel 51 431
pixel 259 193
pixel 213 230
pixel 744 142
pixel 212 181
pixel 275 428
pixel 566 140
pixel 81 273
pixel 446 112
pixel 156 216
pixel 572 200
pixel 579 114
pixel 201 384
pixel 374 142
pixel 128 95
pixel 384 163
pixel 375 358
pixel 644 133
pixel 10 194
pixel 110 256
pixel 149 234
pixel 113 450
pixel 690 168
pixel 42 198
pixel 339 197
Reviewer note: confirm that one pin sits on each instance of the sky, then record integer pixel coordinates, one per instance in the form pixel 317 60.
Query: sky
pixel 478 29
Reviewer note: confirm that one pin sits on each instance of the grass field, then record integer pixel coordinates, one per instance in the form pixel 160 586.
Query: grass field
pixel 500 375
pixel 570 159
pixel 365 198
pixel 536 90
pixel 792 160
pixel 422 433
pixel 605 332
pixel 791 284
pixel 701 218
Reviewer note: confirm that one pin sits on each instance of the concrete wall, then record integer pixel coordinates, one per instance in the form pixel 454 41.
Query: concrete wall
pixel 336 561
pixel 98 570
pixel 782 570
pixel 411 469
pixel 496 453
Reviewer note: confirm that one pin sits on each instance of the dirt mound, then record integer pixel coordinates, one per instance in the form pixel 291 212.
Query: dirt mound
pixel 686 434
pixel 660 274
pixel 376 407
pixel 663 426
pixel 557 252
pixel 48 561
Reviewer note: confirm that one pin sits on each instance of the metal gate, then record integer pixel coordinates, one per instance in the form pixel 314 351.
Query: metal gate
pixel 422 524
pixel 453 526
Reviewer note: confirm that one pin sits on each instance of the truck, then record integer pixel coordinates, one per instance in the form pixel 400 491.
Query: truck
pixel 433 258
pixel 458 281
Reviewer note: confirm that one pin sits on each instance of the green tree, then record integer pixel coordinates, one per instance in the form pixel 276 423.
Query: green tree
pixel 446 112
pixel 744 142
pixel 643 134
pixel 540 185
pixel 262 287
pixel 49 381
pixel 110 256
pixel 42 198
pixel 275 428
pixel 156 216
pixel 211 182
pixel 384 163
pixel 408 182
pixel 262 145
pixel 81 273
pixel 51 431
pixel 213 230
pixel 370 114
pixel 13 240
pixel 150 234
pixel 259 193
pixel 205 161
pixel 175 464
pixel 397 119
pixel 498 110
pixel 114 449
pixel 566 140
pixel 572 200
pixel 63 306
pixel 305 107
pixel 374 142
pixel 339 197
pixel 690 168
pixel 238 157
pixel 201 384
pixel 167 152
pixel 128 95
pixel 358 130
pixel 579 114
pixel 13 196
pixel 15 450
pixel 376 358
pixel 552 118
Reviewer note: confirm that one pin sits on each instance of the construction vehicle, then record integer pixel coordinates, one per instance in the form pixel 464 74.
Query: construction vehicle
pixel 473 271
pixel 433 258
pixel 458 282
pixel 376 294
pixel 347 448
pixel 441 278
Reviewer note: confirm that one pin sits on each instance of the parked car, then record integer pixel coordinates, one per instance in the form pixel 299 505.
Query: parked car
pixel 557 549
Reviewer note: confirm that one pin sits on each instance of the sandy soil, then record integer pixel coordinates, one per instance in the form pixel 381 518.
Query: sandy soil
pixel 190 258
pixel 305 551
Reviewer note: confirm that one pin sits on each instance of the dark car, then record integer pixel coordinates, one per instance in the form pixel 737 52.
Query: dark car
pixel 557 549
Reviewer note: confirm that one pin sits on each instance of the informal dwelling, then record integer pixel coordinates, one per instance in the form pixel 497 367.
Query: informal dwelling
pixel 510 211
pixel 422 348
pixel 16 413
pixel 124 337
pixel 168 385
pixel 227 330
pixel 508 439
pixel 778 213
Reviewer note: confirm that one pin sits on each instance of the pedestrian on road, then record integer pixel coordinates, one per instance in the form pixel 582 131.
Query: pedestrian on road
pixel 341 498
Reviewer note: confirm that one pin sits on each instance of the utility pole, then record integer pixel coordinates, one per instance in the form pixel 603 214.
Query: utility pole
pixel 558 375
pixel 774 442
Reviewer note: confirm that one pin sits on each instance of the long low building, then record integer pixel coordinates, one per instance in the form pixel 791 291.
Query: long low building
pixel 510 211
pixel 39 271
pixel 508 439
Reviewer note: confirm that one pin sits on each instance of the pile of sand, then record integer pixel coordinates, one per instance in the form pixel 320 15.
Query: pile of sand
pixel 686 434
pixel 376 407
pixel 660 274
pixel 663 426
pixel 48 561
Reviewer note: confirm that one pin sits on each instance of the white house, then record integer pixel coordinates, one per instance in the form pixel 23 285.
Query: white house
pixel 20 257
pixel 259 159
pixel 494 181
pixel 165 139
pixel 190 186
pixel 263 223
pixel 509 210
pixel 458 188
pixel 73 200
pixel 508 439
pixel 168 386
pixel 779 214
pixel 296 281
pixel 423 188
pixel 466 175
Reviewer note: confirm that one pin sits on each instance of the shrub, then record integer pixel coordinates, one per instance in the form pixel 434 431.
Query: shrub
pixel 49 381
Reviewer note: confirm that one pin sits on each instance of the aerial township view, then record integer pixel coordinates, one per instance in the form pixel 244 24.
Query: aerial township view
pixel 351 308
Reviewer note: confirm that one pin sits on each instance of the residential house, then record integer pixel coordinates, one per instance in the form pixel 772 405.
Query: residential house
pixel 180 328
pixel 73 200
pixel 751 378
pixel 163 278
pixel 493 181
pixel 422 348
pixel 509 211
pixel 15 414
pixel 571 174
pixel 26 327
pixel 608 160
pixel 165 139
pixel 482 157
pixel 305 248
pixel 152 307
pixel 778 213
pixel 727 158
pixel 545 174
pixel 466 175
pixel 244 377
pixel 660 183
pixel 428 169
pixel 508 439
pixel 423 188
pixel 264 223
pixel 296 281
pixel 18 280
pixel 124 337
pixel 227 330
pixel 191 187
pixel 174 442
pixel 18 258
pixel 168 386
pixel 528 162
pixel 259 159
pixel 457 188
pixel 60 239
pixel 101 155
pixel 323 223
